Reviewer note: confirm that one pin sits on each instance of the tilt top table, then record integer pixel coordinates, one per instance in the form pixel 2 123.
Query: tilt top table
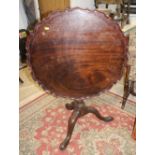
pixel 77 53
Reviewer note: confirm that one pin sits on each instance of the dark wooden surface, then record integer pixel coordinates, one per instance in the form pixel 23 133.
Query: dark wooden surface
pixel 77 53
pixel 80 109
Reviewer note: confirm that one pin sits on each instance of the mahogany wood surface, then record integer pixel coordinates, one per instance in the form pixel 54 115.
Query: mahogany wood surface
pixel 79 109
pixel 77 53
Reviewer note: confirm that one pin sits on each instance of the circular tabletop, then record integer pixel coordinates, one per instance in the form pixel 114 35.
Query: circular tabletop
pixel 77 53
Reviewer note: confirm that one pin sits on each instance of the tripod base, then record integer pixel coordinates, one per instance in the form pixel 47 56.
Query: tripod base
pixel 79 109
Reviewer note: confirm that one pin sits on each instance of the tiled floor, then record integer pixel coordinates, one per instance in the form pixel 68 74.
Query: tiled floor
pixel 29 89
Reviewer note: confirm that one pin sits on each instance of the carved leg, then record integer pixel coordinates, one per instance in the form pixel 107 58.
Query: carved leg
pixel 128 12
pixel 126 94
pixel 122 16
pixel 132 88
pixel 71 123
pixel 98 115
pixel 80 109
pixel 127 85
pixel 133 93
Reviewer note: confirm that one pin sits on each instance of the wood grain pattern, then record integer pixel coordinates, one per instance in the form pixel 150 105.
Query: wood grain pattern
pixel 47 6
pixel 77 53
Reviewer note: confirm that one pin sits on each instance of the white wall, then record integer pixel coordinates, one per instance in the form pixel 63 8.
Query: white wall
pixel 22 16
pixel 89 4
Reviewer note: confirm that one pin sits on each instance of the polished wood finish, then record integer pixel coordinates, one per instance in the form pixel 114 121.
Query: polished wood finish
pixel 77 53
pixel 79 110
pixel 47 6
